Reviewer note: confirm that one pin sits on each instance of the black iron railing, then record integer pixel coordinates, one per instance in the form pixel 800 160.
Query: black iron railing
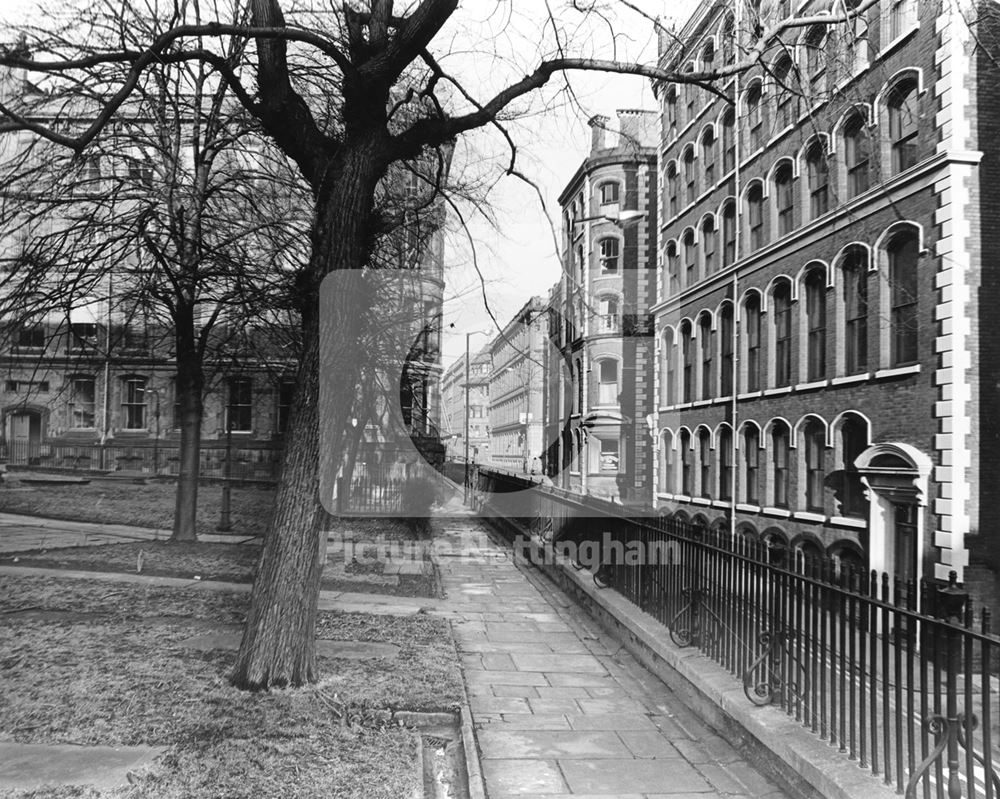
pixel 900 676
pixel 247 463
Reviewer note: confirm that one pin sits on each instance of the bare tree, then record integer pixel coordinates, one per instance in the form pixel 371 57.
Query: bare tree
pixel 329 93
pixel 176 218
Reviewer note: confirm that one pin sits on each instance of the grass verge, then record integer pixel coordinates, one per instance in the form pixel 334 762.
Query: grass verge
pixel 150 505
pixel 88 663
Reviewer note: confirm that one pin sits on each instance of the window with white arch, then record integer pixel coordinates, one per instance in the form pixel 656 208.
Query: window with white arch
pixel 853 440
pixel 609 254
pixel 814 463
pixel 706 346
pixel 854 302
pixel 903 252
pixel 607 385
pixel 608 192
pixel 724 446
pixel 668 387
pixel 815 291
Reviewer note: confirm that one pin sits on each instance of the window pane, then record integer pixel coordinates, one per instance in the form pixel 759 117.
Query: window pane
pixel 903 299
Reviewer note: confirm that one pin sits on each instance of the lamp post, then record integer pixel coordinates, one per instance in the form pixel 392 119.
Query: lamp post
pixel 225 524
pixel 465 482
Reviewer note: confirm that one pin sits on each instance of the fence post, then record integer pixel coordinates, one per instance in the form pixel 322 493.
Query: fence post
pixel 950 602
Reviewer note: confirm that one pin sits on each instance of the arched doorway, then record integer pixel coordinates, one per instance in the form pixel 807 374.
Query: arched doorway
pixel 896 478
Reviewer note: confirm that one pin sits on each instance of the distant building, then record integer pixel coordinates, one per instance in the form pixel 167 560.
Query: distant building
pixel 453 407
pixel 600 387
pixel 515 390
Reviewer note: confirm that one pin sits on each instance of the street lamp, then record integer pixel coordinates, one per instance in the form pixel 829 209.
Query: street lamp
pixel 620 220
pixel 468 336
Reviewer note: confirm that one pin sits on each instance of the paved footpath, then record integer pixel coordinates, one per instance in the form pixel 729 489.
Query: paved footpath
pixel 559 709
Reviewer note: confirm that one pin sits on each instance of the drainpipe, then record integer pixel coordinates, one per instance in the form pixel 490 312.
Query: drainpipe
pixel 106 427
pixel 734 411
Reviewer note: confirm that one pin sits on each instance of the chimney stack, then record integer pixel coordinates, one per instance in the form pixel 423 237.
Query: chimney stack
pixel 598 125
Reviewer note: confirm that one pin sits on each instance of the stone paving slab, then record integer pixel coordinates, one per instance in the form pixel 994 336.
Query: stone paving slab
pixel 32 766
pixel 560 709
pixel 634 776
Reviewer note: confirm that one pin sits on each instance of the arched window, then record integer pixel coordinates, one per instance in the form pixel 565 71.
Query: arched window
pixel 609 319
pixel 729 141
pixel 857 155
pixel 708 56
pixel 856 32
pixel 753 331
pixel 668 479
pixel 708 246
pixel 687 366
pixel 782 312
pixel 775 546
pixel 755 217
pixel 669 387
pixel 691 93
pixel 690 178
pixel 819 179
pixel 673 269
pixel 690 259
pixel 705 463
pixel 729 40
pixel 899 18
pixel 729 234
pixel 705 336
pixel 815 60
pixel 609 192
pixel 726 350
pixel 815 286
pixel 814 440
pixel 607 388
pixel 785 93
pixel 903 116
pixel 708 158
pixel 784 201
pixel 672 188
pixel 780 440
pixel 853 441
pixel 755 119
pixel 687 467
pixel 609 254
pixel 724 446
pixel 670 107
pixel 854 272
pixel 751 465
pixel 903 252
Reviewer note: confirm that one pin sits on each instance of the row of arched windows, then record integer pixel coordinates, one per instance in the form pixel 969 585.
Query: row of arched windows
pixel 828 321
pixel 808 466
pixel 794 191
pixel 809 67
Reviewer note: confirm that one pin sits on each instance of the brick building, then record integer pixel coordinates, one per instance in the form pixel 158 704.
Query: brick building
pixel 599 391
pixel 515 390
pixel 825 348
pixel 453 407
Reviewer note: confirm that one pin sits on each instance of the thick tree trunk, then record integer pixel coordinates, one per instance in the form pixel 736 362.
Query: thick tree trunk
pixel 278 645
pixel 189 388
